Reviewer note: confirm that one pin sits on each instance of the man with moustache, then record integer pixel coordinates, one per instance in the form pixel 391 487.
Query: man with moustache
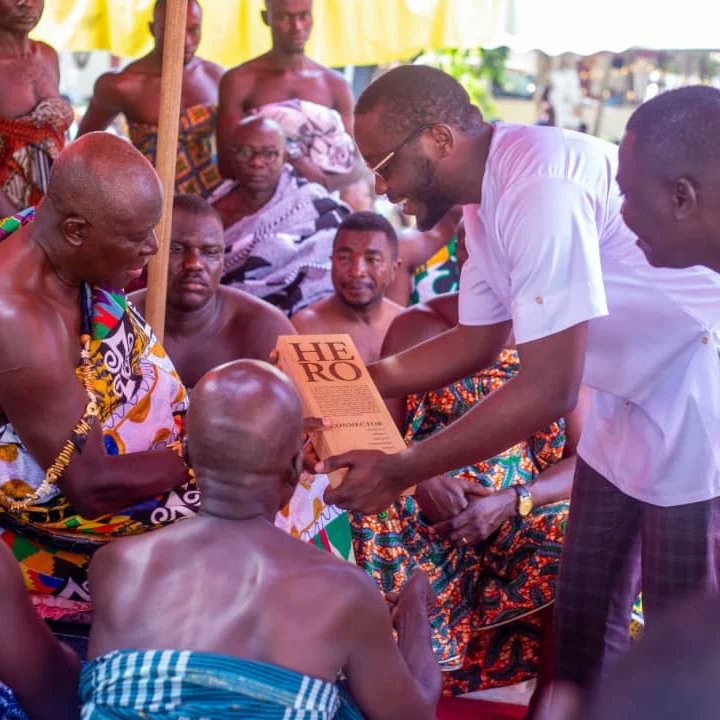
pixel 551 257
pixel 364 261
pixel 207 324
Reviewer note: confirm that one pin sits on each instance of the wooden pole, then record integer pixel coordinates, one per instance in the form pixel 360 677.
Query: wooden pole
pixel 166 160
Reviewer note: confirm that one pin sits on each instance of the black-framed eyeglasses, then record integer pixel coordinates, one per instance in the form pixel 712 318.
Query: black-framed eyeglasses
pixel 376 168
pixel 248 154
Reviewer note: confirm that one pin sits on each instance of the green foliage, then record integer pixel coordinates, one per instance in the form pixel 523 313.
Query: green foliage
pixel 476 70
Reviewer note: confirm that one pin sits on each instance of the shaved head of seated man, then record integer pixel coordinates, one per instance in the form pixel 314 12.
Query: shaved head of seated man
pixel 669 174
pixel 364 261
pixel 230 592
pixel 74 364
pixel 207 324
pixel 41 671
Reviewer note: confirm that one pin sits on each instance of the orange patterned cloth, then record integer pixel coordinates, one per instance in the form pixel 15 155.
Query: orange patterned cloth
pixel 28 145
pixel 196 171
pixel 486 630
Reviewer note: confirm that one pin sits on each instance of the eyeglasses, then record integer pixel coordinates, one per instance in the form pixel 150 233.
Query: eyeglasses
pixel 248 154
pixel 376 168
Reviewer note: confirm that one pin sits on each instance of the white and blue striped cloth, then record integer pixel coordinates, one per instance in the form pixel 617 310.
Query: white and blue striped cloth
pixel 181 685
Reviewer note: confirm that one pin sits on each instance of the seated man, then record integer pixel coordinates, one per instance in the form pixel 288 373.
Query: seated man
pixel 89 402
pixel 364 261
pixel 312 103
pixel 229 616
pixel 34 119
pixel 488 536
pixel 279 227
pixel 135 92
pixel 206 324
pixel 42 672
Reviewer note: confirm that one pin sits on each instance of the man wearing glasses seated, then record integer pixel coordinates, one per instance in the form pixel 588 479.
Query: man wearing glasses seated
pixel 279 227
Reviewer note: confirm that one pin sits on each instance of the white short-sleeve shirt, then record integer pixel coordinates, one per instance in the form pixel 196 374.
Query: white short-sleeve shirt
pixel 548 249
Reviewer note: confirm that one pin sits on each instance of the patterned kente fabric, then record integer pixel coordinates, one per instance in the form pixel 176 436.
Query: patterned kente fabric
pixel 438 276
pixel 281 253
pixel 196 172
pixel 28 145
pixel 143 404
pixel 181 685
pixel 316 131
pixel 485 631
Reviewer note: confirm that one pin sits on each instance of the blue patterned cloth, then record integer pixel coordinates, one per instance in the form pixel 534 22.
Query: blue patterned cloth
pixel 182 685
pixel 9 708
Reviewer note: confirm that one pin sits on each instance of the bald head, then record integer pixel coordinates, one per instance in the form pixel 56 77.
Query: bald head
pixel 244 426
pixel 104 179
pixel 254 125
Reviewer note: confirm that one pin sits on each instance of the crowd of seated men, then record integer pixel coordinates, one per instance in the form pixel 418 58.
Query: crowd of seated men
pixel 143 485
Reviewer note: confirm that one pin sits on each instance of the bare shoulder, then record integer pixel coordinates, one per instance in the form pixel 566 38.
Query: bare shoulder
pixel 335 79
pixel 45 51
pixel 243 73
pixel 28 315
pixel 212 70
pixel 412 326
pixel 249 309
pixel 307 319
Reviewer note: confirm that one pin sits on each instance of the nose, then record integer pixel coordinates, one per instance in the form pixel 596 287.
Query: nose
pixel 151 246
pixel 256 161
pixel 381 187
pixel 191 260
pixel 358 268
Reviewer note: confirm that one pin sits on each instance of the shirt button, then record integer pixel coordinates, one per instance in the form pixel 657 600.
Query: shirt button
pixel 539 300
pixel 704 340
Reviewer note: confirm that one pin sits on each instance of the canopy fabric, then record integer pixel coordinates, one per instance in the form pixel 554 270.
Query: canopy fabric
pixel 558 26
pixel 346 32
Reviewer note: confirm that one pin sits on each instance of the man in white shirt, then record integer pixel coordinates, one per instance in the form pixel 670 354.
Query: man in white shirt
pixel 551 258
pixel 669 175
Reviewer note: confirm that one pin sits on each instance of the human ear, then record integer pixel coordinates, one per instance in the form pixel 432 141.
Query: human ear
pixel 685 198
pixel 73 230
pixel 444 138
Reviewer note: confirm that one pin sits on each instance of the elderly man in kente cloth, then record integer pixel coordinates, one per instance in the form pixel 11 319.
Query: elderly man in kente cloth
pixel 312 103
pixel 90 405
pixel 33 117
pixel 279 226
pixel 135 92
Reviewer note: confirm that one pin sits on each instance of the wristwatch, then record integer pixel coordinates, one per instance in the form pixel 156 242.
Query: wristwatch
pixel 524 500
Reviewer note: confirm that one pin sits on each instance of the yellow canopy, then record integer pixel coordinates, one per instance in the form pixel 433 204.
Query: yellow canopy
pixel 346 32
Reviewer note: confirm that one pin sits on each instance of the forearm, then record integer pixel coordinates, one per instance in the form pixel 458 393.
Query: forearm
pixel 511 414
pixel 440 361
pixel 554 484
pixel 111 483
pixel 415 645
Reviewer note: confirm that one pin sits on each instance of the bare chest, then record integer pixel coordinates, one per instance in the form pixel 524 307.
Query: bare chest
pixel 272 88
pixel 24 83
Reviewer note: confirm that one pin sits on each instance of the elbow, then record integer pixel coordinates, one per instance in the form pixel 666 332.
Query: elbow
pixel 563 399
